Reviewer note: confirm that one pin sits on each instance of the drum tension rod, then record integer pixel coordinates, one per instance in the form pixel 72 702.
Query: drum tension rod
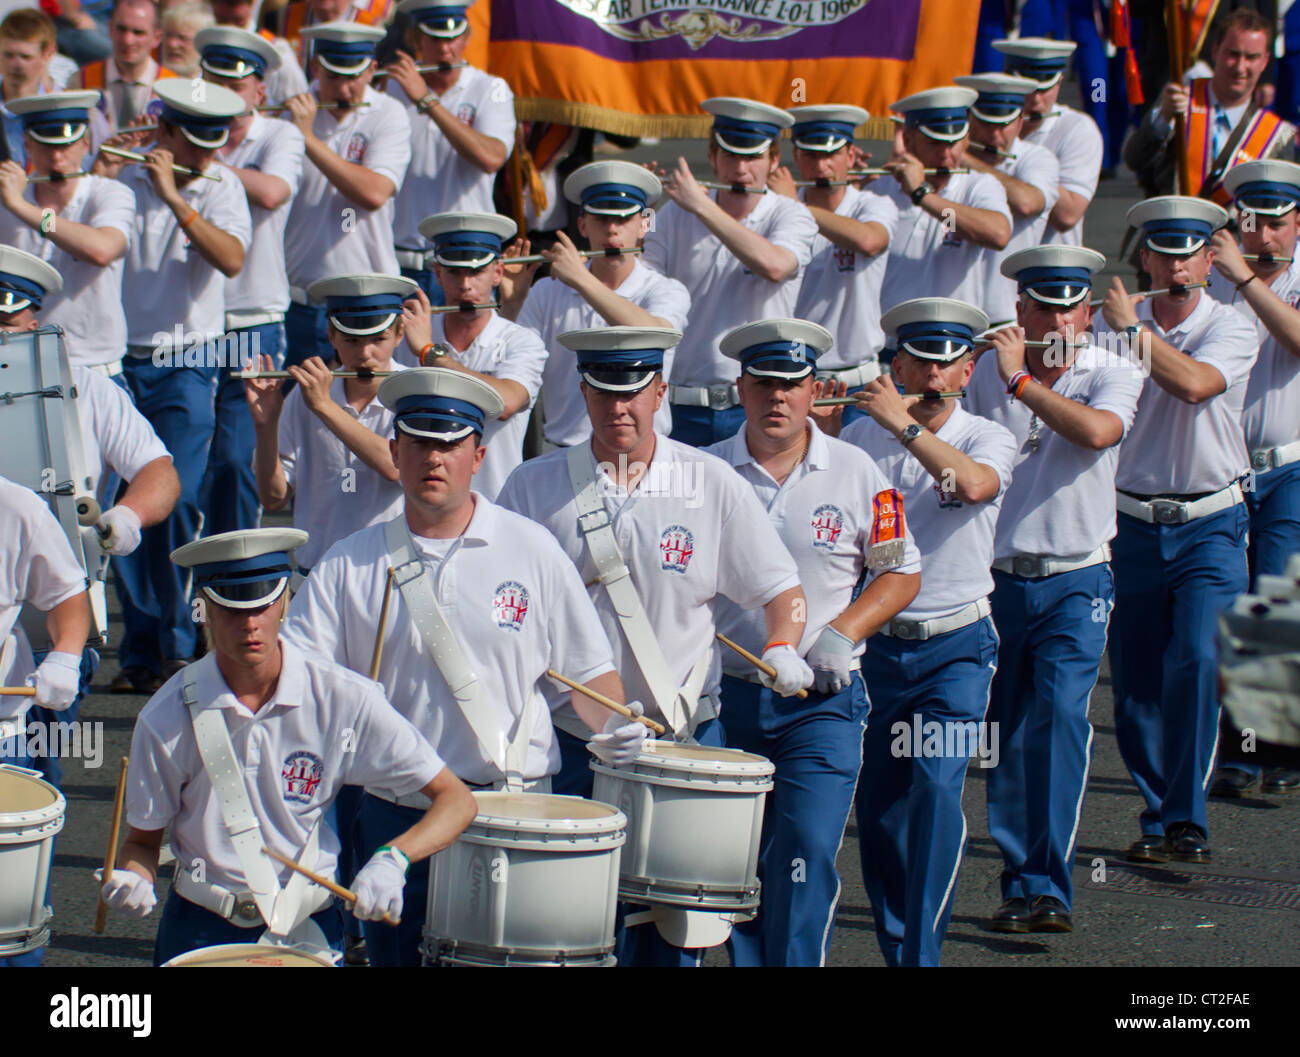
pixel 50 391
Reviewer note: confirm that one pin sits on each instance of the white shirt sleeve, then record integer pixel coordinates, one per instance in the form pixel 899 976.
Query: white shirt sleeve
pixel 668 299
pixel 389 151
pixel 496 114
pixel 873 208
pixel 987 193
pixel 314 623
pixel 1041 170
pixel 794 229
pixel 657 251
pixel 289 433
pixel 388 750
pixel 127 443
pixel 227 210
pixel 579 647
pixel 754 566
pixel 285 158
pixel 1080 157
pixel 536 314
pixel 154 782
pixel 1117 390
pixel 113 207
pixel 995 447
pixel 48 572
pixel 1230 346
pixel 523 360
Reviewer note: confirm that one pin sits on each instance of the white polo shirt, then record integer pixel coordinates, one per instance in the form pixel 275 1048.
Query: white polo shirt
pixel 504 350
pixel 89 307
pixel 323 728
pixel 690 532
pixel 1271 415
pixel 287 79
pixel 553 309
pixel 841 288
pixel 1074 138
pixel 327 232
pixel 334 492
pixel 724 293
pixel 955 538
pixel 439 179
pixel 827 513
pixel 1061 501
pixel 166 283
pixel 276 149
pixel 1037 167
pixel 481 578
pixel 113 432
pixel 1179 448
pixel 926 259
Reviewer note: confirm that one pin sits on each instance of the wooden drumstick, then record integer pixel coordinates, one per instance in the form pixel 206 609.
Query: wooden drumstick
pixel 110 856
pixel 608 702
pixel 757 662
pixel 383 623
pixel 17 691
pixel 324 882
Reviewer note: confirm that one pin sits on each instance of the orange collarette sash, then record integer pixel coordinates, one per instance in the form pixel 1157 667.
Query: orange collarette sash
pixel 1263 128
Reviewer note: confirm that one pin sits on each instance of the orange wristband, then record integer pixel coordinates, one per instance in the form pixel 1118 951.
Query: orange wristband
pixel 194 215
pixel 771 644
pixel 1020 386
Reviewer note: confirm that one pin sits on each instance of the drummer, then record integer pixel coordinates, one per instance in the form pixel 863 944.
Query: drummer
pixel 519 609
pixel 305 727
pixel 842 522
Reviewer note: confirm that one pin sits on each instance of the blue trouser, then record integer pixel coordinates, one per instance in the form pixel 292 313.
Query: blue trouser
pixel 179 403
pixel 816 746
pixel 342 818
pixel 377 823
pixel 306 334
pixel 911 830
pixel 186 926
pixel 1286 103
pixel 992 26
pixel 702 426
pixel 427 280
pixel 228 494
pixel 1171 583
pixel 1053 633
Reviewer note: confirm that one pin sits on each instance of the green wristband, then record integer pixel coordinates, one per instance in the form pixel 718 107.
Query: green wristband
pixel 405 858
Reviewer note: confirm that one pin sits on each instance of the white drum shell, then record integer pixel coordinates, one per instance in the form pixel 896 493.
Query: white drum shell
pixel 250 956
pixel 695 824
pixel 31 813
pixel 532 881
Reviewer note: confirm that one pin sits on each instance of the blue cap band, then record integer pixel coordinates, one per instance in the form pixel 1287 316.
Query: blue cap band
pixel 948 116
pixel 194 122
pixel 55 119
pixel 1268 192
pixel 1031 278
pixel 456 413
pixel 1039 69
pixel 614 196
pixel 745 133
pixel 620 359
pixel 352 49
pixel 244 570
pixel 927 330
pixel 826 132
pixel 22 286
pixel 784 353
pixel 439 14
pixel 1176 228
pixel 466 245
pixel 368 305
pixel 226 59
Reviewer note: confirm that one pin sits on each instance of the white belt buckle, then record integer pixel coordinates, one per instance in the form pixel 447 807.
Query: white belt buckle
pixel 1168 512
pixel 596 519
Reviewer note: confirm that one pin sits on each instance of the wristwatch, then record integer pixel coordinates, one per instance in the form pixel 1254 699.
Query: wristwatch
pixel 910 433
pixel 427 102
pixel 923 189
pixel 1131 333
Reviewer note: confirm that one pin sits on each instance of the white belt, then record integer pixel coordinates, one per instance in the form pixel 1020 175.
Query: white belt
pixel 920 630
pixel 239 320
pixel 852 376
pixel 238 908
pixel 1264 459
pixel 298 296
pixel 108 370
pixel 715 397
pixel 1174 512
pixel 419 800
pixel 416 260
pixel 1035 566
pixel 751 676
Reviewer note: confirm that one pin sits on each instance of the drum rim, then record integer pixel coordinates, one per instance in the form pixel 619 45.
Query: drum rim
pixel 12 822
pixel 317 961
pixel 755 767
pixel 549 828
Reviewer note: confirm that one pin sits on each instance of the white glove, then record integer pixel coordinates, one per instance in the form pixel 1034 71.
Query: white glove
pixel 379 885
pixel 127 892
pixel 831 660
pixel 620 742
pixel 791 672
pixel 123 526
pixel 57 681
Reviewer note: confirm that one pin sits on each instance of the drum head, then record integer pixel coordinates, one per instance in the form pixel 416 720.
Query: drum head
pixel 248 956
pixel 540 806
pixel 22 793
pixel 699 753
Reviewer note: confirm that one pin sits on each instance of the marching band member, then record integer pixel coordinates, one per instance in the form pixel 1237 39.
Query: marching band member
pixel 298 15
pixel 505 356
pixel 127 78
pixel 462 131
pixel 948 223
pixel 38 567
pixel 739 253
pixel 190 236
pixel 1030 176
pixel 80 226
pixel 1069 408
pixel 841 521
pixel 614 200
pixel 1266 293
pixel 519 609
pixel 305 727
pixel 266 156
pixel 283 80
pixel 677 531
pixel 1071 135
pixel 1180 548
pixel 325 445
pixel 932 664
pixel 341 220
pixel 841 285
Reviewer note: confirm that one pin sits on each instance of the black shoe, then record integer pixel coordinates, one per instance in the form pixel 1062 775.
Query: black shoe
pixel 135 679
pixel 1280 780
pixel 1011 916
pixel 1049 914
pixel 1187 842
pixel 1232 783
pixel 355 953
pixel 173 665
pixel 1149 848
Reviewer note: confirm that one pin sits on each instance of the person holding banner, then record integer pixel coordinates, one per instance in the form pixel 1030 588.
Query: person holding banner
pixel 740 251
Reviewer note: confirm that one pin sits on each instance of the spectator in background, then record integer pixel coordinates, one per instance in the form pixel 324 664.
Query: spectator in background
pixel 127 76
pixel 81 37
pixel 27 40
pixel 180 22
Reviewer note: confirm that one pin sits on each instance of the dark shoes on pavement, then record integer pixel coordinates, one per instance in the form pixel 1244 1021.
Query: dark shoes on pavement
pixel 1231 783
pixel 1150 847
pixel 1049 914
pixel 135 679
pixel 1011 916
pixel 1187 842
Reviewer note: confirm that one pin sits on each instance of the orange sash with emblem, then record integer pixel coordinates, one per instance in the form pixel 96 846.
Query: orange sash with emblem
pixel 1262 129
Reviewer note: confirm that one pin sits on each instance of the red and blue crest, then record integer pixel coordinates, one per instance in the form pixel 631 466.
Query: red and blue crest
pixel 510 605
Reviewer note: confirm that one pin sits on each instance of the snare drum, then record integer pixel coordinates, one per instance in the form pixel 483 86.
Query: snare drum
pixel 532 881
pixel 250 956
pixel 31 813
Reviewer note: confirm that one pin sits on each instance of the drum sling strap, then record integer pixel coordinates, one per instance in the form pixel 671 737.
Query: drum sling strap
pixel 676 706
pixel 227 777
pixel 410 576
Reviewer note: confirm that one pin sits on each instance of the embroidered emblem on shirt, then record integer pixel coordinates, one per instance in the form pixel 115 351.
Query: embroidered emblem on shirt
pixel 676 546
pixel 845 260
pixel 356 149
pixel 301 774
pixel 827 524
pixel 510 605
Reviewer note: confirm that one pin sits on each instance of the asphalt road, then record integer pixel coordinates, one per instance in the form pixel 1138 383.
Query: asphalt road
pixel 1244 910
